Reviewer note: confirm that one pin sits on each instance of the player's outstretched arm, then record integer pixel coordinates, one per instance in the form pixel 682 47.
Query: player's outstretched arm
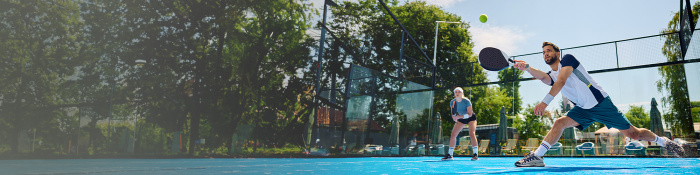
pixel 538 74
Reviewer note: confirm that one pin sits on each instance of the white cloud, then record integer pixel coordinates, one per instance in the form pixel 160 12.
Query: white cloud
pixel 442 3
pixel 505 38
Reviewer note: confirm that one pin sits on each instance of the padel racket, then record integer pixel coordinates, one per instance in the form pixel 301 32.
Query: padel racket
pixel 494 59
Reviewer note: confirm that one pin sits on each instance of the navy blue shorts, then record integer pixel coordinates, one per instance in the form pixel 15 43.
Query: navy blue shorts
pixel 467 120
pixel 605 112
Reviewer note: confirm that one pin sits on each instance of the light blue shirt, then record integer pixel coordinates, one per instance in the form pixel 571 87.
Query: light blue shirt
pixel 460 107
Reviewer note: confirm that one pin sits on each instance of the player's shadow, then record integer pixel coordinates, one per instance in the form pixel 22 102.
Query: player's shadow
pixel 570 169
pixel 444 160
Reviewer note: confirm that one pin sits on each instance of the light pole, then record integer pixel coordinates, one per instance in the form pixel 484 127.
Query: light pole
pixel 109 116
pixel 139 63
pixel 437 23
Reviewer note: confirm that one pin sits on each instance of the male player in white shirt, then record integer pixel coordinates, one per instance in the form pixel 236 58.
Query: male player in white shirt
pixel 570 78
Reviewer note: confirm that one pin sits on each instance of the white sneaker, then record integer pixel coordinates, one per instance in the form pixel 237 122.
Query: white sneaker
pixel 530 160
pixel 674 148
pixel 447 157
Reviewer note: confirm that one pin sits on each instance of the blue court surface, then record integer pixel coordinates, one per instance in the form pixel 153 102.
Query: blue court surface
pixel 337 166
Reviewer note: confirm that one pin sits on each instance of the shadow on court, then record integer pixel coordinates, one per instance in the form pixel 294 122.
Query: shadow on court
pixel 571 169
pixel 447 160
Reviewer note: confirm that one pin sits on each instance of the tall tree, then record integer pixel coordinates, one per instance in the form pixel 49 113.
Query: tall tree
pixel 269 52
pixel 38 53
pixel 96 88
pixel 675 82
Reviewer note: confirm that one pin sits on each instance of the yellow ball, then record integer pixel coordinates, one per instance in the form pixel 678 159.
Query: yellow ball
pixel 483 18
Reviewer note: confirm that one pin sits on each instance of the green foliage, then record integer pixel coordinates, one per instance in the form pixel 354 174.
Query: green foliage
pixel 419 123
pixel 38 50
pixel 638 117
pixel 531 126
pixel 488 108
pixel 152 139
pixel 219 62
pixel 695 110
pixel 512 89
pixel 284 150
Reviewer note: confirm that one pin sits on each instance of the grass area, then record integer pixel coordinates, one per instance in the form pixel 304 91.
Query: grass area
pixel 287 149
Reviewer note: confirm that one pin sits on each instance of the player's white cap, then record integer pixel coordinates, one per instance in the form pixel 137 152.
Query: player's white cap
pixel 458 89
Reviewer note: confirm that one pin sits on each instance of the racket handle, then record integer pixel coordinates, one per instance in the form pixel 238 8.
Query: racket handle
pixel 527 66
pixel 510 62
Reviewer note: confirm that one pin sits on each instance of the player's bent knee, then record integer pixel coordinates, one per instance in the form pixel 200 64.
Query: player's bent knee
pixel 560 123
pixel 566 122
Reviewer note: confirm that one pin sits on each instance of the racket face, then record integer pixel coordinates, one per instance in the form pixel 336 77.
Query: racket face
pixel 493 59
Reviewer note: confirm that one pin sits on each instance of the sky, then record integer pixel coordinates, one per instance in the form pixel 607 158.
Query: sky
pixel 520 27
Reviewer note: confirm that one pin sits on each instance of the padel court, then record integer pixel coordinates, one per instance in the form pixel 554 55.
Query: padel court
pixel 365 165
